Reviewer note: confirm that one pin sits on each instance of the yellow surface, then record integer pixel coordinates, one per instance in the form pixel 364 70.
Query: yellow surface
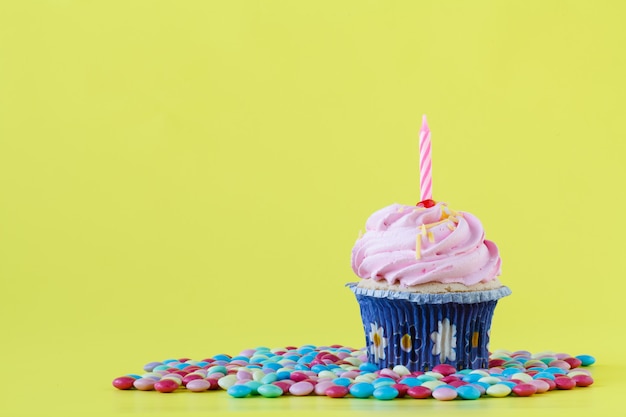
pixel 188 178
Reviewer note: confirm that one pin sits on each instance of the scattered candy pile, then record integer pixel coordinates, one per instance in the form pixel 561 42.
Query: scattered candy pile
pixel 336 371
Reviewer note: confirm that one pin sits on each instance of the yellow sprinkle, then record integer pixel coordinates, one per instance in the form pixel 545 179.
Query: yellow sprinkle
pixel 423 232
pixel 431 237
pixel 418 247
pixel 451 226
pixel 401 209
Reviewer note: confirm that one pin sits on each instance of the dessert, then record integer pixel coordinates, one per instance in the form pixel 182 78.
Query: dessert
pixel 428 284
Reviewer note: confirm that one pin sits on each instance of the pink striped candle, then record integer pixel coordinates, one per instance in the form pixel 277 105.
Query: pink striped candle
pixel 426 178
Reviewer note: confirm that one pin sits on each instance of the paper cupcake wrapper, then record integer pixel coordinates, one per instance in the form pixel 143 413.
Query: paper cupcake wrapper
pixel 420 331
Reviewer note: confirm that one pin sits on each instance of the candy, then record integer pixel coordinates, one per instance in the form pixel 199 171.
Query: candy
pixel 498 390
pixel 144 384
pixel 362 390
pixel 198 385
pixel 385 392
pixel 270 391
pixel 444 394
pixel 321 387
pixel 166 385
pixel 586 360
pixel 524 390
pixel 337 371
pixel 419 392
pixel 123 382
pixel 564 382
pixel 468 392
pixel 337 391
pixel 541 385
pixel 301 388
pixel 582 380
pixel 239 391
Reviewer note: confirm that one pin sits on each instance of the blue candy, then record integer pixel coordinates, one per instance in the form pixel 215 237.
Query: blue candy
pixel 222 358
pixel 283 375
pixel 319 368
pixel 368 367
pixel 471 378
pixel 362 390
pixel 547 375
pixel 586 359
pixel 342 381
pixel 468 392
pixel 273 366
pixel 239 391
pixel 385 392
pixel 383 381
pixel 411 382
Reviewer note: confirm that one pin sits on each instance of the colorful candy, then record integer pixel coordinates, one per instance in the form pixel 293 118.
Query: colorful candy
pixel 336 372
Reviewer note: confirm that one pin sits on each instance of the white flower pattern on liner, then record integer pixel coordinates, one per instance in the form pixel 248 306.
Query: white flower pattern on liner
pixel 378 342
pixel 445 340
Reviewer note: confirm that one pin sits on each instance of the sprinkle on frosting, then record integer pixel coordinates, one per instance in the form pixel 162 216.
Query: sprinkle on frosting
pixel 418 247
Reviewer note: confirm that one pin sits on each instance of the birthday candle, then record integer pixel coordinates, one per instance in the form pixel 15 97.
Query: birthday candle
pixel 426 179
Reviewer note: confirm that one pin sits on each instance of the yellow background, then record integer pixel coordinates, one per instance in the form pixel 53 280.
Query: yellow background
pixel 188 178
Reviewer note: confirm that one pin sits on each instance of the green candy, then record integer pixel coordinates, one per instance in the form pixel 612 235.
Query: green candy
pixel 270 391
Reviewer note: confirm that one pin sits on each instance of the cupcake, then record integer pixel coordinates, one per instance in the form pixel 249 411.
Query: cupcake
pixel 428 287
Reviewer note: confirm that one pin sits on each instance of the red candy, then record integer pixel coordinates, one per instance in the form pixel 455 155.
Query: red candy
pixel 190 377
pixel 494 363
pixel 426 203
pixel 337 391
pixel 444 369
pixel 582 380
pixel 298 376
pixel 214 384
pixel 573 362
pixel 524 390
pixel 166 385
pixel 123 382
pixel 402 389
pixel 419 392
pixel 564 382
pixel 282 385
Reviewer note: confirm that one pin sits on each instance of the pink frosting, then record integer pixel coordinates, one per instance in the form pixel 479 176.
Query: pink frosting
pixel 410 245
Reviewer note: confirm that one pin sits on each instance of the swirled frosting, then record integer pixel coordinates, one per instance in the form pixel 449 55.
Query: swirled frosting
pixel 409 245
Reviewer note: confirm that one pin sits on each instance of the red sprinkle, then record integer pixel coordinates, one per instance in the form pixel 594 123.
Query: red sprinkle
pixel 426 203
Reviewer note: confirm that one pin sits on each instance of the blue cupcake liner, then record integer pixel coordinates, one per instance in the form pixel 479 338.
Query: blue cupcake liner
pixel 420 331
